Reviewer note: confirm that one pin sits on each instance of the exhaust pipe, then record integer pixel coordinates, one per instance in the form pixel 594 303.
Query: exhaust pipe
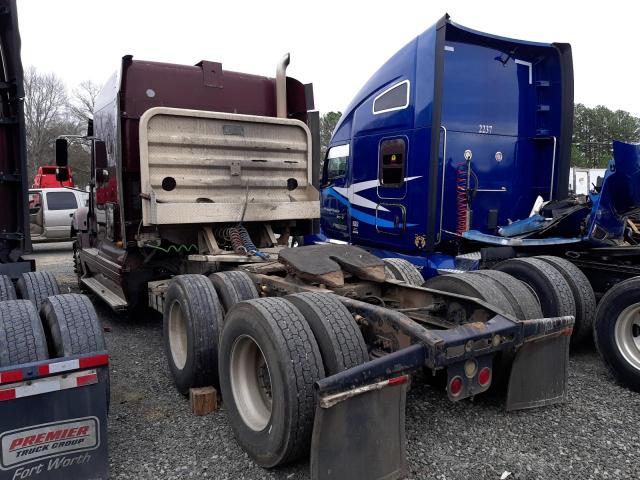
pixel 281 87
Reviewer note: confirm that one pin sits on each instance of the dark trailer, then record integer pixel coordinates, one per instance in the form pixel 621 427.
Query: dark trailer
pixel 54 378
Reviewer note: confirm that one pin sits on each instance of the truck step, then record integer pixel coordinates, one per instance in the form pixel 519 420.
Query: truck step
pixel 115 301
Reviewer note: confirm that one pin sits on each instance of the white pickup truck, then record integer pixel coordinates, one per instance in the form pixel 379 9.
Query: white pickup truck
pixel 51 211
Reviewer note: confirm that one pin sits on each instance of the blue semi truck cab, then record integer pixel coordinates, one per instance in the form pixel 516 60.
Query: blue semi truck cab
pixel 453 111
pixel 454 158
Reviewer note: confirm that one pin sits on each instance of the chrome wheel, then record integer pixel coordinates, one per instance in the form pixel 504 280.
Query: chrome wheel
pixel 627 335
pixel 177 335
pixel 251 383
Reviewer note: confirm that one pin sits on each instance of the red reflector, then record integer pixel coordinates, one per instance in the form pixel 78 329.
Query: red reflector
pixel 398 380
pixel 8 394
pixel 85 379
pixel 455 386
pixel 43 370
pixel 94 361
pixel 484 377
pixel 12 376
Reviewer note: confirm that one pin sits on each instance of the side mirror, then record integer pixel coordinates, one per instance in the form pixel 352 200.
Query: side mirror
pixel 62 174
pixel 62 156
pixel 102 176
pixel 100 153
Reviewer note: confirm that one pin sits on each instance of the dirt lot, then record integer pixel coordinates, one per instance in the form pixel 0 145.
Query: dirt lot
pixel 153 435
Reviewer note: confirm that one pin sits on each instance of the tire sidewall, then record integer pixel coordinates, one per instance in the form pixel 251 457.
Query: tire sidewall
pixel 226 291
pixel 609 310
pixel 183 378
pixel 550 302
pixel 268 446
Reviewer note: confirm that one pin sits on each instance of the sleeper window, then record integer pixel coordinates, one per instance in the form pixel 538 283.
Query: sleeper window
pixel 395 98
pixel 392 159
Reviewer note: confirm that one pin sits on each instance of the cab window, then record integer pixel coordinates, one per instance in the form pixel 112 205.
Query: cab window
pixel 61 201
pixel 391 161
pixel 35 202
pixel 336 163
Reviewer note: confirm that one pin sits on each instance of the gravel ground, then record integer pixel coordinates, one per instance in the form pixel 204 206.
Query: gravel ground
pixel 153 435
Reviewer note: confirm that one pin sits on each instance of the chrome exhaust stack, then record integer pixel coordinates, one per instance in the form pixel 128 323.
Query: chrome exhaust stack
pixel 281 86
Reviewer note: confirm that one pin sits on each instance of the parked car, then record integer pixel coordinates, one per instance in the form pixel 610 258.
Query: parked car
pixel 51 211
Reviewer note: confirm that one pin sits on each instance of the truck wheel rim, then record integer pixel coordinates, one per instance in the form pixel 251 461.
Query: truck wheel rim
pixel 627 334
pixel 251 383
pixel 177 335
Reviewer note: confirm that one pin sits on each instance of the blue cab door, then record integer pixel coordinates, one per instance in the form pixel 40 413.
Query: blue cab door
pixel 334 207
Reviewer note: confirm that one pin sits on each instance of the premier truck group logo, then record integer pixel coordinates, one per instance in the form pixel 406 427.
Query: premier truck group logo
pixel 37 442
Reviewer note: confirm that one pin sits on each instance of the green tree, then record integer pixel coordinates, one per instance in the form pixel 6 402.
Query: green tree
pixel 593 131
pixel 328 122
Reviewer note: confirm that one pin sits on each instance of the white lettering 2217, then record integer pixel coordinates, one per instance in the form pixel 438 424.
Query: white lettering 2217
pixel 485 128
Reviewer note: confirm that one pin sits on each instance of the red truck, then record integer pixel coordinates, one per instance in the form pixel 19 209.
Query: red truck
pixel 46 177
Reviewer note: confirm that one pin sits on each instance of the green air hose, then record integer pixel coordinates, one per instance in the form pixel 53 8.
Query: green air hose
pixel 174 248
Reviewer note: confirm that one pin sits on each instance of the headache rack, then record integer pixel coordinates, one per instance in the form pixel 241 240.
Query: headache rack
pixel 211 167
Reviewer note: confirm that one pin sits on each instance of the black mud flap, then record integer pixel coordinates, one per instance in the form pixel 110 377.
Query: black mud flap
pixel 360 435
pixel 539 373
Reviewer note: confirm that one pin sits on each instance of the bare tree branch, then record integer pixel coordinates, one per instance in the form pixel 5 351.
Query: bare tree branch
pixel 83 101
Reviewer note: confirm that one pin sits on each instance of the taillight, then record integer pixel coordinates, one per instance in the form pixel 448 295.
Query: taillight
pixel 484 377
pixel 455 386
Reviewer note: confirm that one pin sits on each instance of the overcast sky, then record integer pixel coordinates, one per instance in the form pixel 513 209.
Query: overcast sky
pixel 336 45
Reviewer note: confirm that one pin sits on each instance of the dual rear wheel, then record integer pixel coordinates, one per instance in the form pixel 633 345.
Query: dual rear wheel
pixel 43 323
pixel 264 354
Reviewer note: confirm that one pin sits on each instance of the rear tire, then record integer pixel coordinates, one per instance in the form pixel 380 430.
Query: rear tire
pixel 233 287
pixel 403 270
pixel 77 266
pixel 547 282
pixel 269 363
pixel 7 290
pixel 583 296
pixel 37 286
pixel 341 343
pixel 72 325
pixel 617 332
pixel 22 338
pixel 72 328
pixel 523 300
pixel 192 321
pixel 472 285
